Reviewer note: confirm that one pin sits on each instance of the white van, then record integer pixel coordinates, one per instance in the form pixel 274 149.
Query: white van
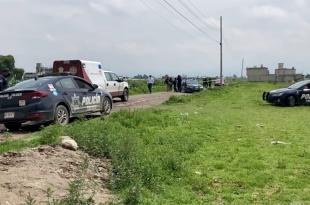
pixel 93 72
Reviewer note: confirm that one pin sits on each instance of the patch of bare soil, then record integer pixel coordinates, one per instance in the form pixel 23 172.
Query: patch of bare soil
pixel 36 171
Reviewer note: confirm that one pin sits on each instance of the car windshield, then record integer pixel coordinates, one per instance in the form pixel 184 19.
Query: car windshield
pixel 32 83
pixel 191 81
pixel 298 84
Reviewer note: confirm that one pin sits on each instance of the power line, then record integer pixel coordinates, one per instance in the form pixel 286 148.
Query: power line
pixel 190 10
pixel 189 21
pixel 166 20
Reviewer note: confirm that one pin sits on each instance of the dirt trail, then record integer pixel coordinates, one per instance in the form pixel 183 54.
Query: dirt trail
pixel 144 101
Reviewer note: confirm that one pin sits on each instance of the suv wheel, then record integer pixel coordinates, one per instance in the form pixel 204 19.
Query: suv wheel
pixel 125 95
pixel 61 115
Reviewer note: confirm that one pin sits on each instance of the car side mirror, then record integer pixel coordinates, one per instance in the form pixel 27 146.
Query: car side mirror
pixel 94 87
pixel 120 80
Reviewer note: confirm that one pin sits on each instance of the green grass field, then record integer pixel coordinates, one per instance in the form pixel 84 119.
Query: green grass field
pixel 209 148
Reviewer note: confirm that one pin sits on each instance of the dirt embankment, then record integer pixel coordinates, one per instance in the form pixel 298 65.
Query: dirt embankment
pixel 46 168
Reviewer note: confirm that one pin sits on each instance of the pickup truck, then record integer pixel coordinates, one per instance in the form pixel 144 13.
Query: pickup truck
pixel 94 73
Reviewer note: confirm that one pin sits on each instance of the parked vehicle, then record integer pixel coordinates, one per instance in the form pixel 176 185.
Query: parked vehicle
pixel 27 76
pixel 295 94
pixel 191 85
pixel 93 72
pixel 217 81
pixel 51 99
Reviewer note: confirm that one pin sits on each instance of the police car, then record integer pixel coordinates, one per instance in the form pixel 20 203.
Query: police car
pixel 51 99
pixel 295 94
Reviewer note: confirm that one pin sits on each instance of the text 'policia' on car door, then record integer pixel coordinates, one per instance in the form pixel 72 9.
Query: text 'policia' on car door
pixel 91 100
pixel 79 95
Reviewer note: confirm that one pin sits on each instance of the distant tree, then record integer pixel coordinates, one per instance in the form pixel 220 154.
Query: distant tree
pixel 7 62
pixel 139 76
pixel 18 73
pixel 307 76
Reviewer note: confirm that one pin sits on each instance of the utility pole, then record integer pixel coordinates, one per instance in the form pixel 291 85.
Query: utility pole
pixel 221 51
pixel 242 68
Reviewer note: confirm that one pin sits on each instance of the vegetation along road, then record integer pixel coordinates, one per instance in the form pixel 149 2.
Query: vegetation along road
pixel 134 102
pixel 223 146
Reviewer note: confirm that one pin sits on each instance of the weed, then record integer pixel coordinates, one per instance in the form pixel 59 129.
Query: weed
pixel 30 200
pixel 177 99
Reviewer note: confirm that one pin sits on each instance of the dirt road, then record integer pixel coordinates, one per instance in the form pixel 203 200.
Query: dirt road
pixel 135 102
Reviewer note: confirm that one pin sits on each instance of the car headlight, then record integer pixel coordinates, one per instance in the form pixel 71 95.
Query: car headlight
pixel 277 94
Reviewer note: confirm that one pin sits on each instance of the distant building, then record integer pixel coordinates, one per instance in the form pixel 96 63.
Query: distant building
pixel 258 74
pixel 41 70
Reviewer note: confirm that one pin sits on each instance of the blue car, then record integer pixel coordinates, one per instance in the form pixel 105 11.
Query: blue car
pixel 51 99
pixel 191 85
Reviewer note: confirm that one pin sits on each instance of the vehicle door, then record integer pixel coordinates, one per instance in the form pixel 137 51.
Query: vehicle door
pixel 70 92
pixel 305 94
pixel 91 99
pixel 111 84
pixel 117 84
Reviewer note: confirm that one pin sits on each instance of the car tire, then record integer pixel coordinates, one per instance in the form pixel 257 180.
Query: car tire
pixel 13 126
pixel 125 95
pixel 106 106
pixel 291 101
pixel 61 116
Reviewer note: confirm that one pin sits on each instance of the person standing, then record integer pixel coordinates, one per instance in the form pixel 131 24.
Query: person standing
pixel 179 83
pixel 4 80
pixel 150 83
pixel 167 82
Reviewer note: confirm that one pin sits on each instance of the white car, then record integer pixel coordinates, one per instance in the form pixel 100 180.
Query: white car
pixel 93 72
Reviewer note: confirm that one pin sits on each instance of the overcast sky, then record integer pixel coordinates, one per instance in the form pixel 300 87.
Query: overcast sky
pixel 146 36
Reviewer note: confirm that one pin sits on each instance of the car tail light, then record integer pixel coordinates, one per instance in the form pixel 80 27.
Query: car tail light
pixel 35 95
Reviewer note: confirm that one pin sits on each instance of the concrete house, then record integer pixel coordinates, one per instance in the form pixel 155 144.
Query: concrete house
pixel 282 74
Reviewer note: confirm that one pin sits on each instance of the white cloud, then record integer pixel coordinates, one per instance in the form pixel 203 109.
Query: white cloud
pixel 268 12
pixel 50 37
pixel 213 23
pixel 99 7
pixel 301 3
pixel 136 48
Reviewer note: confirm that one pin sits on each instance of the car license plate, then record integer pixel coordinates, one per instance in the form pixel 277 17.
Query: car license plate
pixel 22 103
pixel 9 115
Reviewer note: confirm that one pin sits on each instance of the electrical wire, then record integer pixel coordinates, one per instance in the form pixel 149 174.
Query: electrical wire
pixel 189 21
pixel 166 20
pixel 192 12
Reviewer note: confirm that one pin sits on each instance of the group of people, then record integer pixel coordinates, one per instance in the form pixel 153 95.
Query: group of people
pixel 171 83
